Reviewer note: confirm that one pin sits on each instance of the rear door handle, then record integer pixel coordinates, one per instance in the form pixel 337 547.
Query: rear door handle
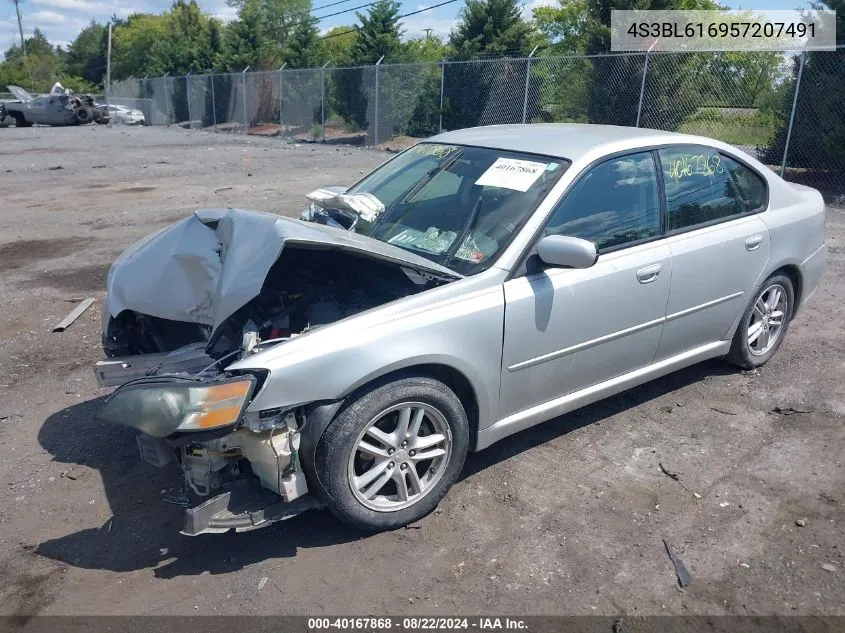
pixel 753 242
pixel 649 273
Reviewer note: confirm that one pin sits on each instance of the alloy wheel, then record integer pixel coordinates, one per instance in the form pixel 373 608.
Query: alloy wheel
pixel 767 319
pixel 399 456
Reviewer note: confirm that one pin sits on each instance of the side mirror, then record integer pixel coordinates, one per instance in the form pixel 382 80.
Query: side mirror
pixel 567 252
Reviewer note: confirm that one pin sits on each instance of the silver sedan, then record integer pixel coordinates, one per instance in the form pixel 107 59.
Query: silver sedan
pixel 479 283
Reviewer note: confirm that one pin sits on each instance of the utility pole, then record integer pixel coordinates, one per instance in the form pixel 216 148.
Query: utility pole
pixel 108 68
pixel 427 33
pixel 20 27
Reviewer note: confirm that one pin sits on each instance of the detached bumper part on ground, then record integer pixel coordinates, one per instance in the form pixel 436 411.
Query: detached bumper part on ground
pixel 243 507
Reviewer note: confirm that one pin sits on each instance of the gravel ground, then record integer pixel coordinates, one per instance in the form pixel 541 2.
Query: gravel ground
pixel 566 518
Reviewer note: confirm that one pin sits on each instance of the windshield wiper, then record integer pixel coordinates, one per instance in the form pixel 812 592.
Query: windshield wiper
pixel 415 188
pixel 465 231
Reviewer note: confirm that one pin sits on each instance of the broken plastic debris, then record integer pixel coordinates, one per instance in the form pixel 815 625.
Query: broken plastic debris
pixel 366 205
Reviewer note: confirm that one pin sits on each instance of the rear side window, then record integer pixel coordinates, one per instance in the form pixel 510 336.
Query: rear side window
pixel 614 204
pixel 703 186
pixel 752 186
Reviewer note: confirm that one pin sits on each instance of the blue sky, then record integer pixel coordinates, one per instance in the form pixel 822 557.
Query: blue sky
pixel 61 20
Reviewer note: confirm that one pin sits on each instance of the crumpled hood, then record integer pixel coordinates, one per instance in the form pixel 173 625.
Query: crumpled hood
pixel 205 267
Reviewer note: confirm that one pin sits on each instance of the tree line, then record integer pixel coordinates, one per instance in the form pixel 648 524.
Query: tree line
pixel 264 35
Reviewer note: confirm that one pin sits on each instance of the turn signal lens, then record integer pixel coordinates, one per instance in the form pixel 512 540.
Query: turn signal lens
pixel 219 405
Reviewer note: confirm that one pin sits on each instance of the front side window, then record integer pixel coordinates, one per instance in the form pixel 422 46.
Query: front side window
pixel 703 186
pixel 459 206
pixel 614 204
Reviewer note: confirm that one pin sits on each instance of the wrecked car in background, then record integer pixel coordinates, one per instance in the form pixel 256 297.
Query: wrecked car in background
pixel 121 115
pixel 56 108
pixel 475 285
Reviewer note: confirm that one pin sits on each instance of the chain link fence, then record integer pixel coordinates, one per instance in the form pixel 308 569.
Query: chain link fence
pixel 787 109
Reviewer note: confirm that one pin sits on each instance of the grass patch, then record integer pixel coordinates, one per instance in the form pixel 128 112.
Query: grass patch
pixel 737 127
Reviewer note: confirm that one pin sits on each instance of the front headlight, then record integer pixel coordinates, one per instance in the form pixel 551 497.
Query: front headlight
pixel 161 408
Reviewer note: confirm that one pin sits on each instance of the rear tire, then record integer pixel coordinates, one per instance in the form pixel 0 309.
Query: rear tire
pixel 418 432
pixel 764 324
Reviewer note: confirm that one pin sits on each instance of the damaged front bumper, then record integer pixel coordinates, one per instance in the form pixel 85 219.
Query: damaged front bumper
pixel 243 506
pixel 245 468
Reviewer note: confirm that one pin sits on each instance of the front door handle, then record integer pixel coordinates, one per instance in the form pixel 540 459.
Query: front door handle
pixel 753 242
pixel 649 273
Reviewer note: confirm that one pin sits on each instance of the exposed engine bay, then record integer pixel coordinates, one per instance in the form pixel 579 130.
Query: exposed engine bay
pixel 304 289
pixel 309 288
pixel 174 386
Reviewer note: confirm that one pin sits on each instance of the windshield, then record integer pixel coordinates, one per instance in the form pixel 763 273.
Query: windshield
pixel 456 205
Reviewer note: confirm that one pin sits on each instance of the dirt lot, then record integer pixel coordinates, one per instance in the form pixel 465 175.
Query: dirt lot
pixel 567 518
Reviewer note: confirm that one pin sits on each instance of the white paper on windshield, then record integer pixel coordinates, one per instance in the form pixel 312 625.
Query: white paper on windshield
pixel 511 173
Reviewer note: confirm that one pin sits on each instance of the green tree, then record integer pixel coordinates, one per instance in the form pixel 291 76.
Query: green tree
pixel 187 47
pixel 259 37
pixel 86 55
pixel 429 48
pixel 818 134
pixel 42 67
pixel 491 28
pixel 245 41
pixel 378 35
pixel 564 26
pixel 474 93
pixel 135 44
pixel 302 49
pixel 338 45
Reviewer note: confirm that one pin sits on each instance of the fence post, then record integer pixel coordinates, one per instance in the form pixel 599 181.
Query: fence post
pixel 442 82
pixel 527 81
pixel 243 85
pixel 281 108
pixel 138 99
pixel 213 102
pixel 188 99
pixel 378 63
pixel 166 100
pixel 792 114
pixel 323 100
pixel 642 91
pixel 642 83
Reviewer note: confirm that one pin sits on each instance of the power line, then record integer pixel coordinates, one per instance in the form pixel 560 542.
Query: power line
pixel 331 4
pixel 330 15
pixel 399 17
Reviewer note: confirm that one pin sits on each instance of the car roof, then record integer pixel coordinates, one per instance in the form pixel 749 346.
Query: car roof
pixel 562 140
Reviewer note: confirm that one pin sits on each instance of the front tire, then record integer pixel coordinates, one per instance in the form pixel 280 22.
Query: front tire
pixel 393 452
pixel 84 115
pixel 764 323
pixel 20 121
